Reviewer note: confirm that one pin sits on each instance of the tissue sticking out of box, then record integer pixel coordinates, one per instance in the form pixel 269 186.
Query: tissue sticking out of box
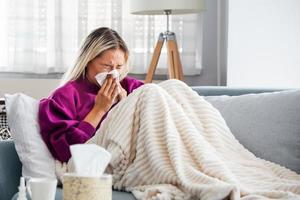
pixel 89 159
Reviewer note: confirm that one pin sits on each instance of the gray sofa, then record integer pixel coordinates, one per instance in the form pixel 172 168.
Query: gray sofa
pixel 239 112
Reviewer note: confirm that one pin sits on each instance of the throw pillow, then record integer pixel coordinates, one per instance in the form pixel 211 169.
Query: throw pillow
pixel 267 124
pixel 22 119
pixel 4 131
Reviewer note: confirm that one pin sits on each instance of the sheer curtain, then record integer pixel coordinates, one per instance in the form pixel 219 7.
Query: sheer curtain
pixel 43 36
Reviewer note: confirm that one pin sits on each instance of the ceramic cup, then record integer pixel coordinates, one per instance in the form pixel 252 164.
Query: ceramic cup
pixel 77 187
pixel 42 188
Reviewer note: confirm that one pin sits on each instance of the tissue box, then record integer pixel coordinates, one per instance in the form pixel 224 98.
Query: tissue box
pixel 77 187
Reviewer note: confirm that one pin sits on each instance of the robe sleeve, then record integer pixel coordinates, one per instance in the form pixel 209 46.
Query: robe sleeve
pixel 60 126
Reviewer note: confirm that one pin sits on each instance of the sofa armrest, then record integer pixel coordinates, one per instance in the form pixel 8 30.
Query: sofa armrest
pixel 231 91
pixel 10 169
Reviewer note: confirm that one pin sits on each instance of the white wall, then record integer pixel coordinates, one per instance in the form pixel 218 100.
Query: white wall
pixel 264 43
pixel 37 88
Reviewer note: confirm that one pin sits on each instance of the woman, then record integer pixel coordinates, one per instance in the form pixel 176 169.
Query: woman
pixel 173 143
pixel 75 110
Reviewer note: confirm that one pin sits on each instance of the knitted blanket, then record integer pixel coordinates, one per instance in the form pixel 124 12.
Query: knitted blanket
pixel 167 142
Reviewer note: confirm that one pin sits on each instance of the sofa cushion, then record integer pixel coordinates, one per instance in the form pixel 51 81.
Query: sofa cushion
pixel 267 124
pixel 10 169
pixel 33 152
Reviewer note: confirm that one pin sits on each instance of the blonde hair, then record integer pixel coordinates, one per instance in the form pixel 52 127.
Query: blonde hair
pixel 97 42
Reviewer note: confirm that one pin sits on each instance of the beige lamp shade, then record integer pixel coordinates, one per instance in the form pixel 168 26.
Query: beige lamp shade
pixel 157 7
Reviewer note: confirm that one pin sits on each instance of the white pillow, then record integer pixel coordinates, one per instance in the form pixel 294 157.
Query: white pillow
pixel 22 112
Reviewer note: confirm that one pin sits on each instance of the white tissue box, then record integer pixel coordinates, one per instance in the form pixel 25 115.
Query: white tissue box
pixel 77 187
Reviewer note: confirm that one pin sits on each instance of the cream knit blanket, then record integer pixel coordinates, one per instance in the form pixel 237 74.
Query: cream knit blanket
pixel 167 142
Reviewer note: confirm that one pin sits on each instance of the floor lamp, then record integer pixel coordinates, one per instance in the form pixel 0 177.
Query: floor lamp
pixel 166 7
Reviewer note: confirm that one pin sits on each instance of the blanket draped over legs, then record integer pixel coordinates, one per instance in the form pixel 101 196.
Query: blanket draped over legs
pixel 167 142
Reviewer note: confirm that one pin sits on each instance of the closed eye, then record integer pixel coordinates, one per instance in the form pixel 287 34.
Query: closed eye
pixel 107 66
pixel 119 66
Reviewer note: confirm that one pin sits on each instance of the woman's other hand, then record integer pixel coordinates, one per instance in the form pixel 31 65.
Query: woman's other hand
pixel 122 92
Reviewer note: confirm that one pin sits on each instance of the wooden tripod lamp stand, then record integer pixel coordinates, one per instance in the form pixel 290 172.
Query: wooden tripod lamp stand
pixel 166 7
pixel 174 63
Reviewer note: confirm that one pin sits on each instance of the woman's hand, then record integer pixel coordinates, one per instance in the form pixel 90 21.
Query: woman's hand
pixel 103 101
pixel 122 92
pixel 107 94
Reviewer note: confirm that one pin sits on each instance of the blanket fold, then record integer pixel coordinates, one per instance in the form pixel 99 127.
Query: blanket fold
pixel 167 142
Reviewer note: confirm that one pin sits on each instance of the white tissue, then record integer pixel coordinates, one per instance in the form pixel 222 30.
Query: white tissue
pixel 89 159
pixel 102 76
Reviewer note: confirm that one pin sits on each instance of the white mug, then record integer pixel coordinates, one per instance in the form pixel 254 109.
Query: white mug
pixel 42 188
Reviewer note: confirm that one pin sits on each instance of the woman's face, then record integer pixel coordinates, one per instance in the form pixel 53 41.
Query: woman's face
pixel 108 60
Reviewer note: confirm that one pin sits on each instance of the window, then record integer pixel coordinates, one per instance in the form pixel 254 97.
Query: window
pixel 44 36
